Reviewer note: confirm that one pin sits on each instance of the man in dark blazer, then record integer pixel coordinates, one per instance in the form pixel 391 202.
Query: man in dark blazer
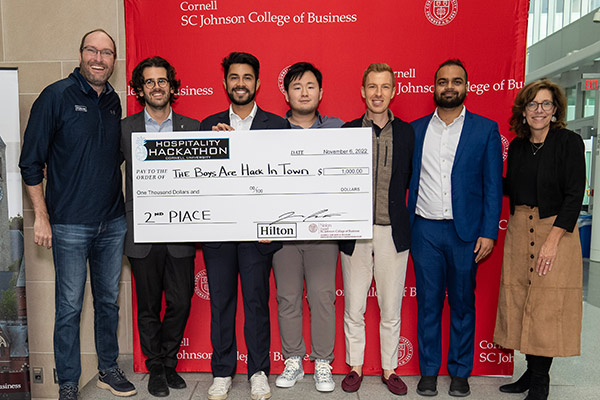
pixel 158 267
pixel 251 261
pixel 385 257
pixel 455 202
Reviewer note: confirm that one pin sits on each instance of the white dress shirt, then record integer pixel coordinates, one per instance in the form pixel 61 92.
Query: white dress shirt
pixel 435 184
pixel 240 124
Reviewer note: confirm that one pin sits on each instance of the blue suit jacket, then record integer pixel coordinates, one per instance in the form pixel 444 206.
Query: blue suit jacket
pixel 476 177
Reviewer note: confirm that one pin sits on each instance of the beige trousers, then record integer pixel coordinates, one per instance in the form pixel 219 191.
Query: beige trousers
pixel 374 258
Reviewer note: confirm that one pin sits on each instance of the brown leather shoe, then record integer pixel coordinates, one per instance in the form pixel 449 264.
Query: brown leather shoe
pixel 395 384
pixel 351 382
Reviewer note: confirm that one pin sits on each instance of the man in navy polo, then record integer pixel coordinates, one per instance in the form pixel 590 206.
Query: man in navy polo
pixel 73 136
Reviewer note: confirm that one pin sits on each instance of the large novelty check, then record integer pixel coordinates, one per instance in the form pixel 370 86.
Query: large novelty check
pixel 293 184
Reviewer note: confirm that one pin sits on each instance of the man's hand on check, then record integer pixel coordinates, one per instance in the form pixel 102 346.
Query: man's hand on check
pixel 222 127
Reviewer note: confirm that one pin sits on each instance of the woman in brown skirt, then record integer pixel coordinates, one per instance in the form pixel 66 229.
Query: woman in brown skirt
pixel 540 301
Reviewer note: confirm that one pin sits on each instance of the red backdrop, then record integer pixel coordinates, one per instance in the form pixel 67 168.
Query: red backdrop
pixel 341 38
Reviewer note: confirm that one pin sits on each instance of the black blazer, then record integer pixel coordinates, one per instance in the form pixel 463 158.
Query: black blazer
pixel 560 179
pixel 262 120
pixel 403 141
pixel 135 123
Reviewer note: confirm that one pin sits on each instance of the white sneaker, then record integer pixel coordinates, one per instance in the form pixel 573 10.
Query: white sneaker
pixel 219 388
pixel 259 386
pixel 323 379
pixel 292 372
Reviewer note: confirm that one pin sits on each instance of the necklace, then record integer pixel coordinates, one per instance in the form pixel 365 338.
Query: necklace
pixel 535 147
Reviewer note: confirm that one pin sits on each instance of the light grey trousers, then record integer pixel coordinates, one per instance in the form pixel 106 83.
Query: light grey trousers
pixel 315 263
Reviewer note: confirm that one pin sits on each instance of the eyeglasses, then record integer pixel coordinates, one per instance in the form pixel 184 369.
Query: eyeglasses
pixel 547 105
pixel 92 52
pixel 151 83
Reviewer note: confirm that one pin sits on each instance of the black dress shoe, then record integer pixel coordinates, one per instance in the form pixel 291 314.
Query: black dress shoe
pixel 173 379
pixel 157 382
pixel 427 386
pixel 459 387
pixel 520 386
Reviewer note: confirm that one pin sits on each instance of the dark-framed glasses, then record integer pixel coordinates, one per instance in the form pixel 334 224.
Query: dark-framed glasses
pixel 151 83
pixel 92 52
pixel 547 105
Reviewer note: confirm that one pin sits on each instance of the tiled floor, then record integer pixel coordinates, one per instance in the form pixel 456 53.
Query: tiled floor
pixel 571 378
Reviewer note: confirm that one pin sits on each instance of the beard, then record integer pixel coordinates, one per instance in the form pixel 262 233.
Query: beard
pixel 240 102
pixel 158 104
pixel 453 102
pixel 86 71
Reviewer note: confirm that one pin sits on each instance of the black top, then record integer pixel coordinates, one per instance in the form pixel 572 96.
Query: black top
pixel 560 181
pixel 76 134
pixel 262 120
pixel 526 179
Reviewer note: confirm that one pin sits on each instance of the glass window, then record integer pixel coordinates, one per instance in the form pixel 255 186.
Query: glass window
pixel 575 10
pixel 571 93
pixel 589 103
pixel 558 14
pixel 544 20
pixel 530 24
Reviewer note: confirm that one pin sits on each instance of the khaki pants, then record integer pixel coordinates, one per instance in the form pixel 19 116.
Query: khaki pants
pixel 374 258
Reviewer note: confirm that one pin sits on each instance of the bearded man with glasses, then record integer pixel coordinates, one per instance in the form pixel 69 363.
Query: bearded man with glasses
pixel 73 136
pixel 158 267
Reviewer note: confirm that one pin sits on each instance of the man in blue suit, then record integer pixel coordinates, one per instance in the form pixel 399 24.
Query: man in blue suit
pixel 455 202
pixel 251 261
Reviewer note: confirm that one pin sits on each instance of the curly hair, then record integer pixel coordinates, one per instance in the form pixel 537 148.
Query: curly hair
pixel 526 95
pixel 137 77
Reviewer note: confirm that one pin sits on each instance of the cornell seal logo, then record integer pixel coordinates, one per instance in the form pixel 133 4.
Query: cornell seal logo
pixel 405 351
pixel 201 288
pixel 280 78
pixel 505 144
pixel 441 12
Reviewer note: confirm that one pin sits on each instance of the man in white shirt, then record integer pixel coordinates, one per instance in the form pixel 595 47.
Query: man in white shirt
pixel 250 261
pixel 455 202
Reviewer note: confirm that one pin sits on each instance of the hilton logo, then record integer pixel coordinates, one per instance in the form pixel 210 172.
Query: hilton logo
pixel 201 285
pixel 441 12
pixel 264 231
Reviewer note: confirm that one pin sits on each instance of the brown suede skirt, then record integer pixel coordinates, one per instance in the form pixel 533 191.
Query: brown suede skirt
pixel 539 315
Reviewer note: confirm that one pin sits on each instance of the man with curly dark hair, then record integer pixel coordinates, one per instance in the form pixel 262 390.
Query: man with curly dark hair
pixel 158 267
